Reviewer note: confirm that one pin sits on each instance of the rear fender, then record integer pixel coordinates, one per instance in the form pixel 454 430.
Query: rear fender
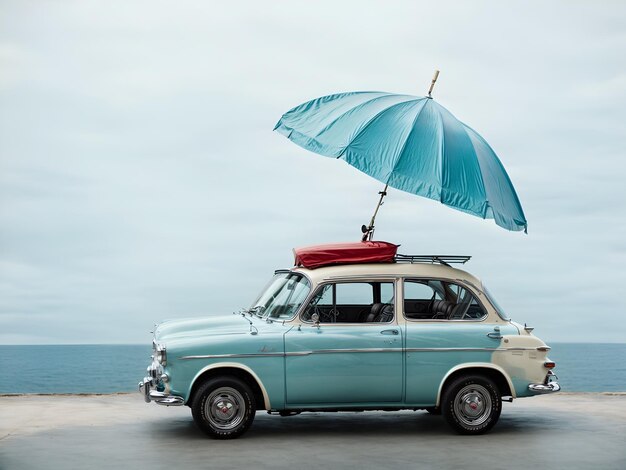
pixel 475 368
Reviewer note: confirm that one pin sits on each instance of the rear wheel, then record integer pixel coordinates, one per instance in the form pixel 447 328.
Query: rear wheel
pixel 471 404
pixel 224 407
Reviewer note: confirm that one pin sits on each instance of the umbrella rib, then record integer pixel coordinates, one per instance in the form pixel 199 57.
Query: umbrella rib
pixel 441 154
pixel 397 160
pixel 372 120
pixel 386 94
pixel 482 177
pixel 482 213
pixel 504 174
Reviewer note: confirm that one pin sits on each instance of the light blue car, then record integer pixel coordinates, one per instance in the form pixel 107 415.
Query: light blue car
pixel 406 333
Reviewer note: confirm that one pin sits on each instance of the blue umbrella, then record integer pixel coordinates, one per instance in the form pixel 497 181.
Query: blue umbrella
pixel 410 143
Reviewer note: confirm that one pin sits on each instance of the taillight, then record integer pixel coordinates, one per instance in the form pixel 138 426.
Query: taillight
pixel 549 365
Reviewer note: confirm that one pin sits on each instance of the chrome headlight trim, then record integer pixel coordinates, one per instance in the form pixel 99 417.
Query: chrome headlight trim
pixel 160 354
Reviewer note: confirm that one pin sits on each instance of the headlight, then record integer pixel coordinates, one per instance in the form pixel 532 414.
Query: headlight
pixel 160 354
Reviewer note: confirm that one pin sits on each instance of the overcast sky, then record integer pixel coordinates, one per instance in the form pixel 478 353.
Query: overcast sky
pixel 140 178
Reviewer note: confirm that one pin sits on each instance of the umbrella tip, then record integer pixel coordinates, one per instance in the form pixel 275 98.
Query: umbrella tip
pixel 432 83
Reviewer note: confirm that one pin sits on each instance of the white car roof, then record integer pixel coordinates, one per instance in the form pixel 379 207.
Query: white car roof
pixel 419 270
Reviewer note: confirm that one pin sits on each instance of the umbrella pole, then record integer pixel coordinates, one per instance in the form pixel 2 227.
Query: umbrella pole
pixel 368 232
pixel 432 83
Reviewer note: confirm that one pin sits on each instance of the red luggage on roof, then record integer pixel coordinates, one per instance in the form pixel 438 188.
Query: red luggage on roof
pixel 345 253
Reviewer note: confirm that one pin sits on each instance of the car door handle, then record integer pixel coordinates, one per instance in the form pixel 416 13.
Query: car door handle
pixel 495 334
pixel 389 332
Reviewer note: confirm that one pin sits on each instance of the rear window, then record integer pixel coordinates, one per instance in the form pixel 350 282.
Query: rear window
pixel 495 304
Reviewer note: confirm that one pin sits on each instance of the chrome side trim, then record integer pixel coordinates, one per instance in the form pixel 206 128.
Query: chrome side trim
pixel 338 351
pixel 453 349
pixel 293 353
pixel 468 349
pixel 227 356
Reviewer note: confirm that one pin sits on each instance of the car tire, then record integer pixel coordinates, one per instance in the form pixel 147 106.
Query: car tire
pixel 224 407
pixel 471 404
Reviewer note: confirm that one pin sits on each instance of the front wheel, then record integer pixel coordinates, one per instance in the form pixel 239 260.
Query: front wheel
pixel 224 407
pixel 471 404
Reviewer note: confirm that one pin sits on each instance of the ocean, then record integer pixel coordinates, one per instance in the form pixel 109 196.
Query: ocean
pixel 581 367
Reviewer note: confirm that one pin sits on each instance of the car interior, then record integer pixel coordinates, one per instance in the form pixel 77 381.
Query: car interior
pixel 373 302
pixel 352 302
pixel 428 299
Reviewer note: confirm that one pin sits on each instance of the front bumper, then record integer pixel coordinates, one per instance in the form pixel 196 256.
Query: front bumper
pixel 161 398
pixel 155 386
pixel 550 385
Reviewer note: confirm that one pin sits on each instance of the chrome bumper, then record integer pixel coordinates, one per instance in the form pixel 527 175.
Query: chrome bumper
pixel 550 385
pixel 161 398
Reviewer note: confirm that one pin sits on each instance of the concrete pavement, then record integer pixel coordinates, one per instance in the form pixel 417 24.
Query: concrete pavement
pixel 121 431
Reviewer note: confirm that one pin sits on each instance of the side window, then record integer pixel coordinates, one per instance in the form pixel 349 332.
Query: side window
pixel 427 299
pixel 324 296
pixel 354 293
pixel 386 293
pixel 418 298
pixel 352 302
pixel 468 307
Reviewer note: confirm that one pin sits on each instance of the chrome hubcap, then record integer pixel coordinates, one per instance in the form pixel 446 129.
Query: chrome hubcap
pixel 472 405
pixel 225 408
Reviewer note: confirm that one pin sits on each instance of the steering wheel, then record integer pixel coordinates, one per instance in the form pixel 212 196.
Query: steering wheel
pixel 330 316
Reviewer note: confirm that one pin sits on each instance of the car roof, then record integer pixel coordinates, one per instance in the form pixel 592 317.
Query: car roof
pixel 421 270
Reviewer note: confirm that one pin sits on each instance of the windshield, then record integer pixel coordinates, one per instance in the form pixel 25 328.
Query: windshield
pixel 282 297
pixel 494 303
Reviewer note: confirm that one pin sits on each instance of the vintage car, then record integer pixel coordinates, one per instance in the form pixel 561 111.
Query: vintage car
pixel 352 327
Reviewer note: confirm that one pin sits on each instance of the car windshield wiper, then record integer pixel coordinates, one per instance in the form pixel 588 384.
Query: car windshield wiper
pixel 256 311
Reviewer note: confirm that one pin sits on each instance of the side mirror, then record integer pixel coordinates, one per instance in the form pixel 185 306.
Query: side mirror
pixel 315 318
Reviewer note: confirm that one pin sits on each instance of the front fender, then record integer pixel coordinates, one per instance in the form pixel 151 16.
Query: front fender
pixel 232 365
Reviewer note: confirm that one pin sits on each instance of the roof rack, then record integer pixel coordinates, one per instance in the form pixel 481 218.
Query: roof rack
pixel 441 259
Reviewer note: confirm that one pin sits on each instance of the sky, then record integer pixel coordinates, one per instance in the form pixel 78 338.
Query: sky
pixel 140 179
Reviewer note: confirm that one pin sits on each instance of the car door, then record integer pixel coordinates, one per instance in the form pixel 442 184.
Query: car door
pixel 345 360
pixel 446 326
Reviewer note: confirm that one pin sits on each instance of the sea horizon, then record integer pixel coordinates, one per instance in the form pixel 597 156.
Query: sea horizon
pixel 105 368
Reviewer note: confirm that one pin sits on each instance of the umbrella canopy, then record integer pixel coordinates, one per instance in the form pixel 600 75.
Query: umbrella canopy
pixel 410 143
